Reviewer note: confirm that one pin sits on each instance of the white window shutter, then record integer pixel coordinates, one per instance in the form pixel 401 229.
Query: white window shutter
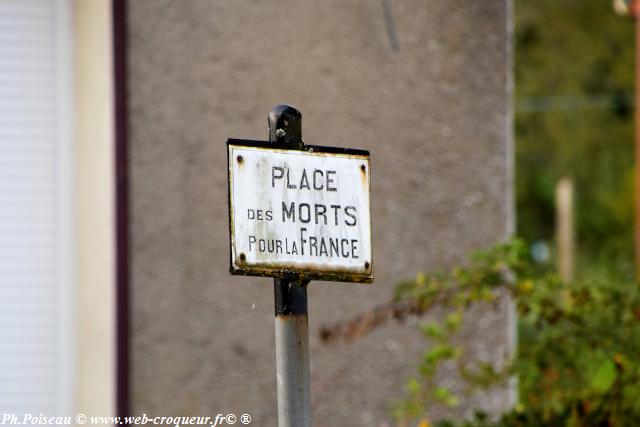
pixel 36 356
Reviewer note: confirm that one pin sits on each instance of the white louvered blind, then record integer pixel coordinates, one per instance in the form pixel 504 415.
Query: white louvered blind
pixel 35 207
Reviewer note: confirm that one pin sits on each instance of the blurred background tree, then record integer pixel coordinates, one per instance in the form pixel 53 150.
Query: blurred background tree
pixel 574 72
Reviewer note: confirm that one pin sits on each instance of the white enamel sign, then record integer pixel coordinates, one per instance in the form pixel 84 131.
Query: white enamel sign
pixel 299 213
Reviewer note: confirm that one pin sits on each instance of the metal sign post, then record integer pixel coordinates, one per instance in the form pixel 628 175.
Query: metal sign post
pixel 292 319
pixel 297 213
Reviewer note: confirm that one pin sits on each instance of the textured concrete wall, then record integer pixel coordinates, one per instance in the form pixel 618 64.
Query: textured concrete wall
pixel 435 115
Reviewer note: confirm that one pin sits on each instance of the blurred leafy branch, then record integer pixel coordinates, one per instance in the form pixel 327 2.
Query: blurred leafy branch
pixel 578 356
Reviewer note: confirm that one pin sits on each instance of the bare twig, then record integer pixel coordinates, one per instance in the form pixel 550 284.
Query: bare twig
pixel 364 323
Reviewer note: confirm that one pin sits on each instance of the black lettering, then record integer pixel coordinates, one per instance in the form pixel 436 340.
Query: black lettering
pixel 271 245
pixel 354 247
pixel 273 174
pixel 300 212
pixel 342 242
pixel 315 185
pixel 331 181
pixel 262 245
pixel 304 181
pixel 269 215
pixel 302 240
pixel 290 213
pixel 278 246
pixel 320 210
pixel 333 248
pixel 259 216
pixel 251 213
pixel 347 209
pixel 335 210
pixel 289 185
pixel 323 246
pixel 252 241
pixel 313 244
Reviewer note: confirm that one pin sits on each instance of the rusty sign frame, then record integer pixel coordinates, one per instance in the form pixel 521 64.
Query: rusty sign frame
pixel 292 272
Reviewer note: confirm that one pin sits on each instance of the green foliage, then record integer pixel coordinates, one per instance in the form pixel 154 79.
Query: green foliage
pixel 567 52
pixel 578 358
pixel 577 362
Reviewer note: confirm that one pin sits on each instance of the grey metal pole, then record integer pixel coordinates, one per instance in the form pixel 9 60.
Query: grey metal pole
pixel 292 322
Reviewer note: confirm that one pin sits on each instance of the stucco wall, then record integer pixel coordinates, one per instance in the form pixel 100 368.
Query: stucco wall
pixel 435 116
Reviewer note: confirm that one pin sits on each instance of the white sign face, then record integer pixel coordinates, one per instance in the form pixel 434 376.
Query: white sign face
pixel 300 213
